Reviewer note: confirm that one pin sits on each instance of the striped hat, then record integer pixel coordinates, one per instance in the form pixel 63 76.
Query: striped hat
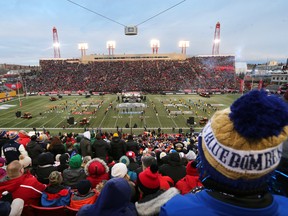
pixel 13 136
pixel 240 146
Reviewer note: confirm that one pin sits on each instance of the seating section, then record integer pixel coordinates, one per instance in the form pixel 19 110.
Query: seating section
pixel 32 210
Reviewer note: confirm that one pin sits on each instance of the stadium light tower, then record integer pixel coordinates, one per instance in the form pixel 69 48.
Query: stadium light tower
pixel 155 44
pixel 183 45
pixel 83 47
pixel 111 45
pixel 56 44
pixel 216 42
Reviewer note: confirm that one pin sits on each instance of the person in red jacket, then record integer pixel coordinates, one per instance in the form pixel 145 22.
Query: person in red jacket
pixel 22 185
pixel 191 180
pixel 24 138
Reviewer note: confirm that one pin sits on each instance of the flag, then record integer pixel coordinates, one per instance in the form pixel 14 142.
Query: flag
pixel 14 86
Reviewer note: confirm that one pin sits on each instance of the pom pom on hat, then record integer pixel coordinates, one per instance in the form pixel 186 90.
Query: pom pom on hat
pixel 119 170
pixel 240 147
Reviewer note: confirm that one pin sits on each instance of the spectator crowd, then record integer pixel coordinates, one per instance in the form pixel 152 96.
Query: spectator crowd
pixel 227 169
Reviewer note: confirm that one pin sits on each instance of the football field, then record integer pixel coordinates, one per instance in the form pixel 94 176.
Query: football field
pixel 106 112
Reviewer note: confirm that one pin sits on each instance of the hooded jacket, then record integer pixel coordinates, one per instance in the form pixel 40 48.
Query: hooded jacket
pixel 118 148
pixel 174 169
pixel 25 187
pixel 85 144
pixel 114 199
pixel 96 171
pixel 151 204
pixel 34 149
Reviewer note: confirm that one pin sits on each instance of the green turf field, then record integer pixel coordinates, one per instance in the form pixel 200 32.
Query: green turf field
pixel 53 115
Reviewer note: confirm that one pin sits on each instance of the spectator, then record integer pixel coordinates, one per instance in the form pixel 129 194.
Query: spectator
pixel 74 173
pixel 100 148
pixel 24 138
pixel 45 167
pixel 55 194
pixel 84 195
pixel 96 171
pixel 2 170
pixel 64 162
pixel 34 149
pixel 114 199
pixel 56 146
pixel 152 197
pixel 132 145
pixel 239 149
pixel 174 169
pixel 118 147
pixel 191 180
pixel 85 144
pixel 3 140
pixel 22 185
pixel 12 150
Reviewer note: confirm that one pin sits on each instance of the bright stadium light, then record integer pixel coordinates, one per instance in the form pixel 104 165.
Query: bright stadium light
pixel 111 45
pixel 56 45
pixel 155 44
pixel 83 47
pixel 183 45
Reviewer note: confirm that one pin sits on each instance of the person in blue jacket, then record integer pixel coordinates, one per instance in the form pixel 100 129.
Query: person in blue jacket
pixel 239 148
pixel 114 199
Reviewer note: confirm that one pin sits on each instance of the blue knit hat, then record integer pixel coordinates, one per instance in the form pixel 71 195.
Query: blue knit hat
pixel 13 136
pixel 240 146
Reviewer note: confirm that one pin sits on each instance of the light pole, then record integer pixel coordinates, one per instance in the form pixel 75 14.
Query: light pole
pixel 111 45
pixel 183 45
pixel 155 44
pixel 83 47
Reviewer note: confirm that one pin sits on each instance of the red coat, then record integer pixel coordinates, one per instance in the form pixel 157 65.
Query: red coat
pixel 25 187
pixel 190 181
pixel 23 139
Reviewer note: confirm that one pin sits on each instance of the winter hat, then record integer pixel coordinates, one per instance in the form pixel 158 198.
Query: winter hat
pixel 83 186
pixel 25 161
pixel 75 161
pixel 115 135
pixel 2 133
pixel 131 154
pixel 191 155
pixel 45 158
pixel 55 178
pixel 179 146
pixel 96 167
pixel 240 146
pixel 148 180
pixel 87 134
pixel 125 160
pixel 13 136
pixel 162 154
pixel 191 168
pixel 119 170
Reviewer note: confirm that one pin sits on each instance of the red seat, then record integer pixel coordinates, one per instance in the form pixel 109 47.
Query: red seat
pixel 71 211
pixel 27 211
pixel 47 211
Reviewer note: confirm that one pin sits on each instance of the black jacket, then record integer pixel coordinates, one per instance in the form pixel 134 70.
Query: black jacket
pixel 34 149
pixel 118 148
pixel 100 149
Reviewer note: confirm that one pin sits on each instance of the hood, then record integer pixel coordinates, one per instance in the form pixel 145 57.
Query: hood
pixel 174 159
pixel 114 198
pixel 153 206
pixel 13 184
pixel 87 135
pixel 96 167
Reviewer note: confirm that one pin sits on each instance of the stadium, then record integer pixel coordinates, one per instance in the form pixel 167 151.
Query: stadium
pixel 128 92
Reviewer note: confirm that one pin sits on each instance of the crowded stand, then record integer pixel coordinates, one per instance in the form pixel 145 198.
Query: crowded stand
pixel 237 165
pixel 196 74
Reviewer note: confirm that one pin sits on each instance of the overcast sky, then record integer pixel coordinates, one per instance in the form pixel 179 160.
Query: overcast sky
pixel 252 30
